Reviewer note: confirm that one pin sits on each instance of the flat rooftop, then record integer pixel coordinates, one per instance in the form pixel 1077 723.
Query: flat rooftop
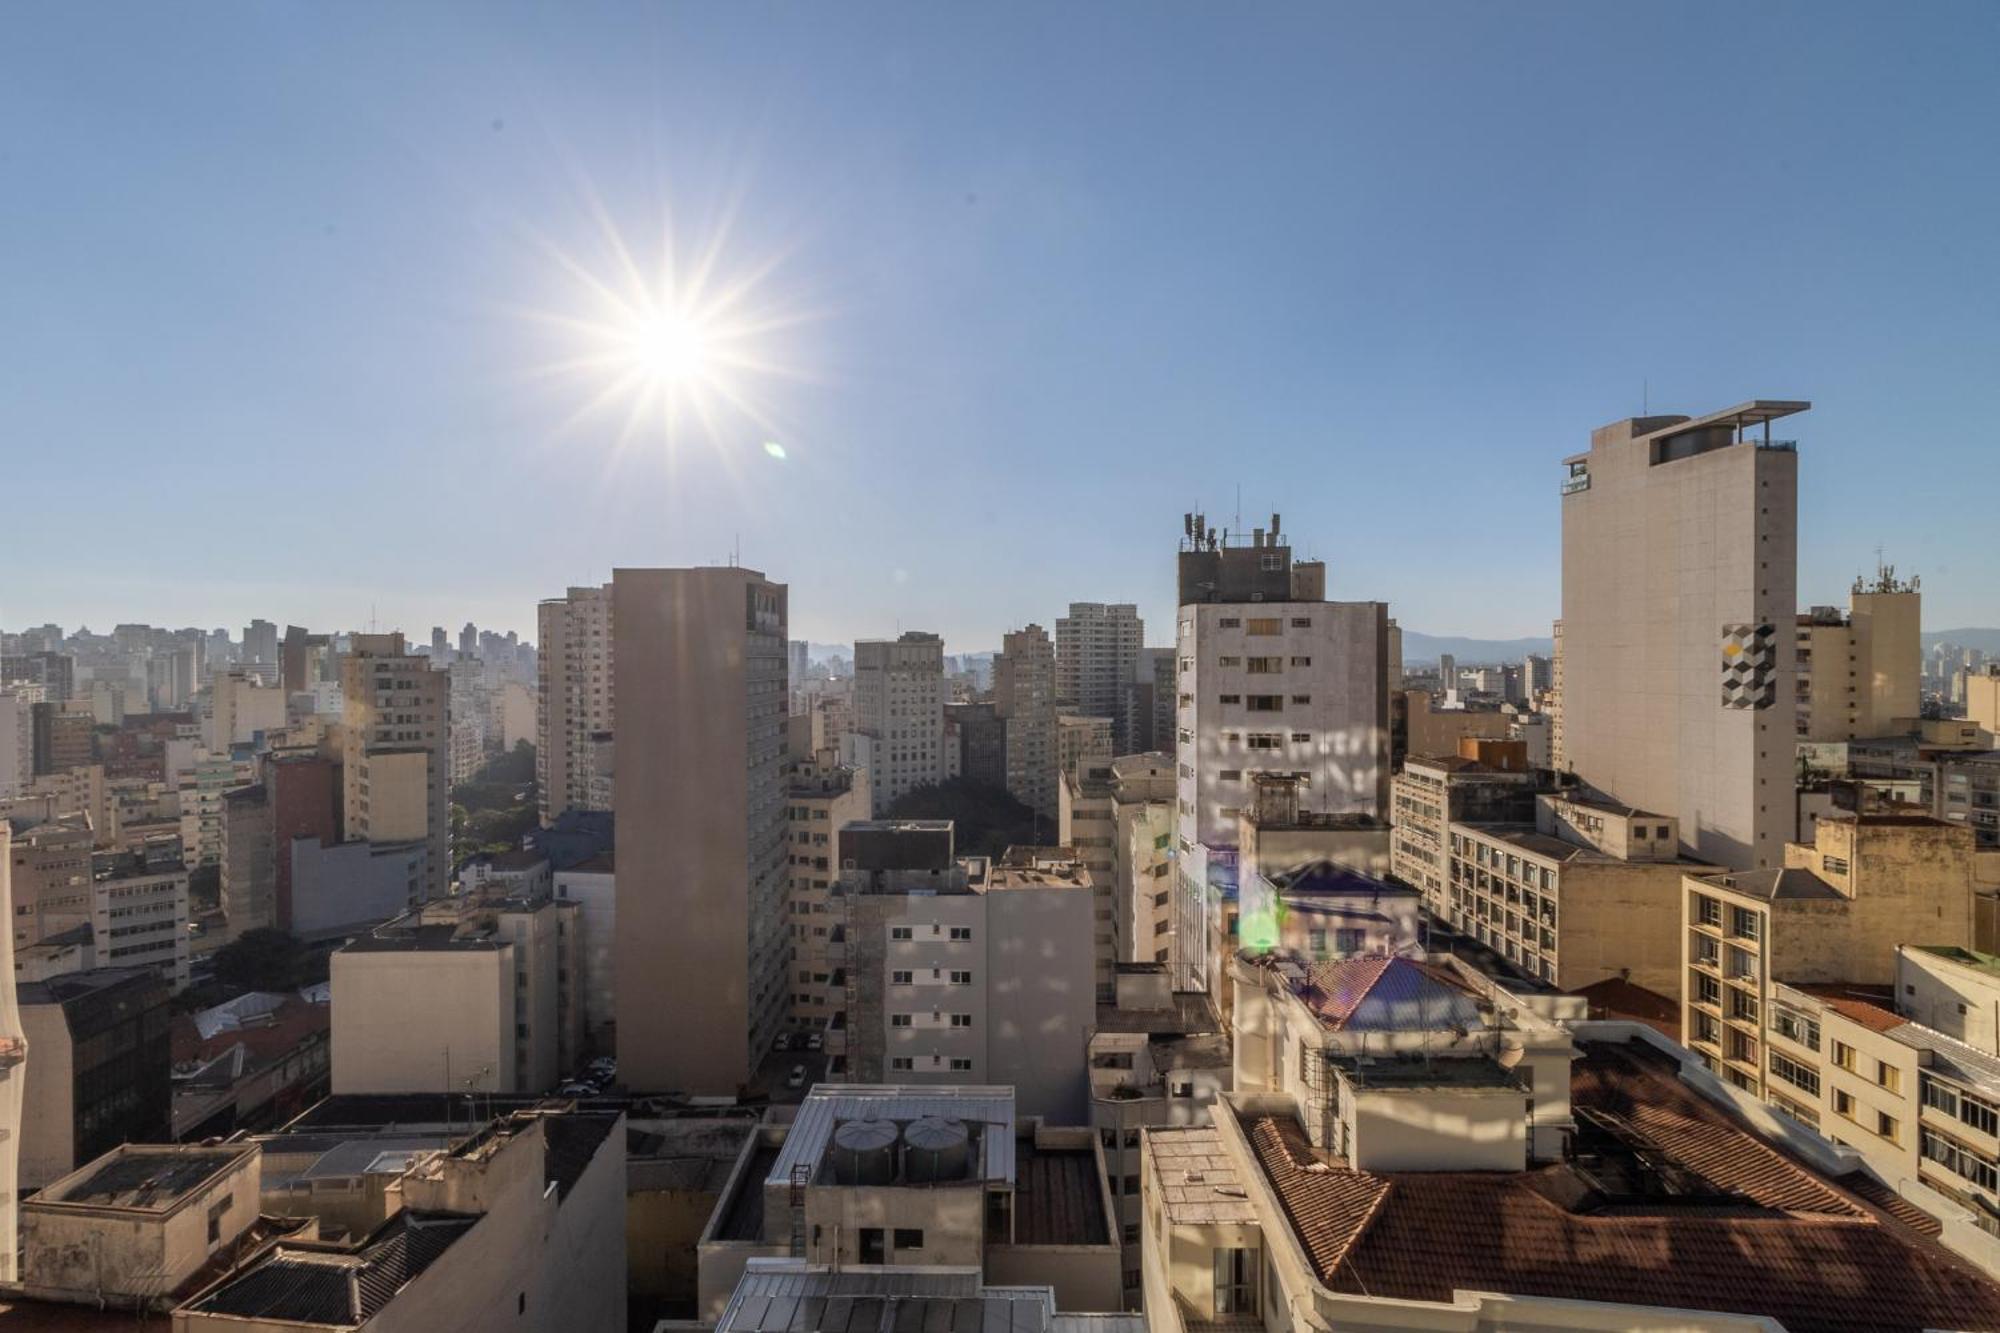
pixel 989 1106
pixel 1198 1181
pixel 337 1286
pixel 1058 1197
pixel 1985 962
pixel 785 1296
pixel 1674 1203
pixel 153 1178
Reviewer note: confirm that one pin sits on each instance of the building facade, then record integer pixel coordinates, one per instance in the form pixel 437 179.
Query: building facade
pixel 1680 560
pixel 703 953
pixel 899 698
pixel 1097 656
pixel 573 696
pixel 1024 695
pixel 396 750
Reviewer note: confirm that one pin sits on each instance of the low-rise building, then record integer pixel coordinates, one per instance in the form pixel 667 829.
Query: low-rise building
pixel 957 970
pixel 1433 792
pixel 519 1226
pixel 459 996
pixel 932 1177
pixel 1833 914
pixel 139 908
pixel 1661 1211
pixel 1591 891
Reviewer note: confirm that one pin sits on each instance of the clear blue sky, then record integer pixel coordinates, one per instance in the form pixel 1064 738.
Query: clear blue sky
pixel 1072 270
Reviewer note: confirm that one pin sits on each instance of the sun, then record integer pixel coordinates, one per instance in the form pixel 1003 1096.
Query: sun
pixel 672 346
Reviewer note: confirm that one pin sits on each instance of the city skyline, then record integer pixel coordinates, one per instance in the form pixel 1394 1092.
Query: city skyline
pixel 1365 266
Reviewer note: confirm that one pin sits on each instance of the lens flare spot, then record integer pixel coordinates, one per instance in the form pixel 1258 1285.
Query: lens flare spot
pixel 775 450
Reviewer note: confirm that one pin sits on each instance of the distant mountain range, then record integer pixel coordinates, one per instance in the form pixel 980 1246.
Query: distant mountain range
pixel 1985 640
pixel 1470 652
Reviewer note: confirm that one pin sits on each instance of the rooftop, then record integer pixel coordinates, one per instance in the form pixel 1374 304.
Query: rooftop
pixel 1192 1011
pixel 1388 995
pixel 829 1104
pixel 785 1296
pixel 1985 962
pixel 1198 1182
pixel 1058 1197
pixel 335 1285
pixel 1774 884
pixel 150 1177
pixel 1674 1204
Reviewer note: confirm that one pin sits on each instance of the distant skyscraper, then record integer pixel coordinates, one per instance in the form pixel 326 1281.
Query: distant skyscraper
pixel 468 639
pixel 1097 646
pixel 702 963
pixel 260 642
pixel 899 714
pixel 1272 678
pixel 1537 675
pixel 396 755
pixel 1024 693
pixel 574 712
pixel 1680 558
pixel 796 659
pixel 440 645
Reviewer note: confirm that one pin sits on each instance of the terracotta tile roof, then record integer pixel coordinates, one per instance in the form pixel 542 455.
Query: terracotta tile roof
pixel 1392 993
pixel 1797 1248
pixel 1868 1006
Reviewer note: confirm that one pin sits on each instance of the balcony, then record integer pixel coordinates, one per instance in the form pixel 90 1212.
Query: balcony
pixel 1580 482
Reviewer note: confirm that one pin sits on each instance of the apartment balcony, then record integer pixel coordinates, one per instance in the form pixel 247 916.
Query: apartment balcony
pixel 13 1050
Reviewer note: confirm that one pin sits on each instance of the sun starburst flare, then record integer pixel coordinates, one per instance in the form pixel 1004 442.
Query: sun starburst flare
pixel 673 348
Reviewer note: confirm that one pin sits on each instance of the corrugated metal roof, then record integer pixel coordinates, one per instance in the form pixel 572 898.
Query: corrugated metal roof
pixel 830 1103
pixel 800 1300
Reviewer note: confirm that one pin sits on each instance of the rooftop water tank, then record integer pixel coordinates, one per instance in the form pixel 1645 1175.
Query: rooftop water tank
pixel 936 1148
pixel 864 1152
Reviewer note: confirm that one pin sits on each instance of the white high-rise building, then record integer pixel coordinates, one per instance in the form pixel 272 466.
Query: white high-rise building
pixel 1273 678
pixel 1680 566
pixel 899 695
pixel 574 709
pixel 1097 647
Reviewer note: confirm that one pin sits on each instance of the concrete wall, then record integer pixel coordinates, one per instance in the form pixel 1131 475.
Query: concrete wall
pixel 1041 998
pixel 1437 1129
pixel 48 1098
pixel 1619 919
pixel 1958 998
pixel 398 1015
pixel 350 885
pixel 596 897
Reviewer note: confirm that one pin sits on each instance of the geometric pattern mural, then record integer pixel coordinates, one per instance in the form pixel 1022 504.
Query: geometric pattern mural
pixel 1749 666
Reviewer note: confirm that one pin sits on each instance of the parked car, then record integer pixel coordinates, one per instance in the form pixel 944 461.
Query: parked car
pixel 798 1078
pixel 783 1042
pixel 575 1089
pixel 815 1041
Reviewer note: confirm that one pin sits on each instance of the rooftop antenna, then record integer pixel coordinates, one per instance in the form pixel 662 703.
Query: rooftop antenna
pixel 1239 508
pixel 1645 398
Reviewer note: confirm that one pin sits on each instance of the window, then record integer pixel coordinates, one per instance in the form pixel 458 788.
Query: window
pixel 1885 1125
pixel 1348 941
pixel 899 932
pixel 901 1062
pixel 1959 1160
pixel 1302 622
pixel 1235 1282
pixel 1229 622
pixel 1795 1026
pixel 1834 865
pixel 1302 738
pixel 961 978
pixel 215 1216
pixel 1265 666
pixel 1302 661
pixel 901 978
pixel 1316 943
pixel 899 1020
pixel 1743 923
pixel 1266 740
pixel 909 1238
pixel 1302 699
pixel 1224 661
pixel 961 932
pixel 961 1064
pixel 1131 1184
pixel 1263 625
pixel 1798 1075
pixel 1888 1076
pixel 1266 703
pixel 1843 1055
pixel 961 1020
pixel 874 1249
pixel 1229 698
pixel 1707 911
pixel 1707 990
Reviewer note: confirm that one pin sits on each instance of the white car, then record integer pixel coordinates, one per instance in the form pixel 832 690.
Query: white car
pixel 815 1041
pixel 798 1077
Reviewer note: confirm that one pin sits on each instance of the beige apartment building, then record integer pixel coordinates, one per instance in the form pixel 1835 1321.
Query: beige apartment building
pixel 703 955
pixel 822 797
pixel 1677 651
pixel 1087 830
pixel 1024 694
pixel 1083 747
pixel 1097 654
pixel 240 707
pixel 396 750
pixel 898 732
pixel 479 996
pixel 1860 673
pixel 1588 892
pixel 936 987
pixel 1484 782
pixel 573 696
pixel 1142 820
pixel 1834 914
